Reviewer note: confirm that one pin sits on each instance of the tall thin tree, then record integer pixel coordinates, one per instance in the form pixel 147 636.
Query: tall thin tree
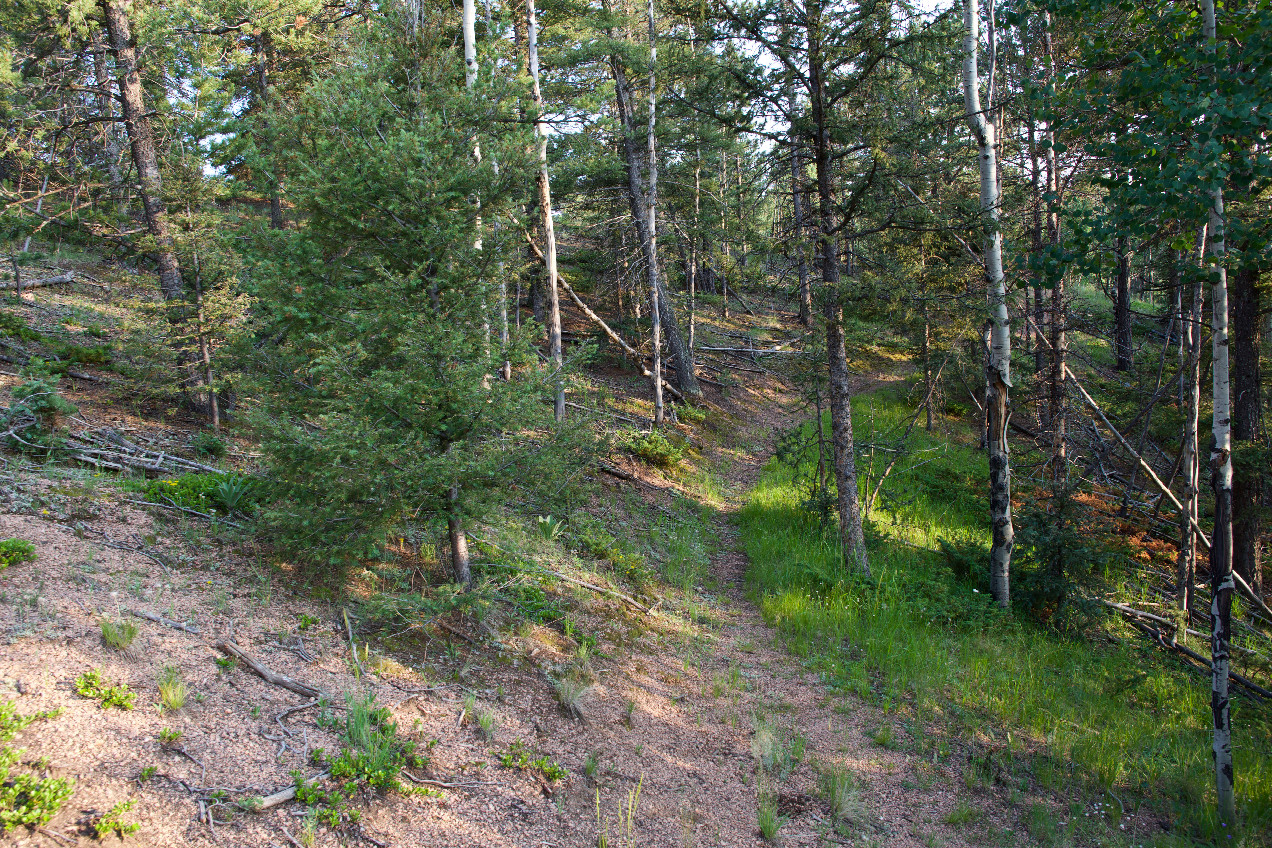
pixel 998 374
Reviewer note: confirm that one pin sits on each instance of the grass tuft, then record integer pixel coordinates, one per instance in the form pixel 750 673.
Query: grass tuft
pixel 118 635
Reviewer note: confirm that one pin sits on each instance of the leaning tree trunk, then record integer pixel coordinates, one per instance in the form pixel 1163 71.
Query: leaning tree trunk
pixel 1221 582
pixel 1247 427
pixel 142 140
pixel 545 209
pixel 998 374
pixel 851 532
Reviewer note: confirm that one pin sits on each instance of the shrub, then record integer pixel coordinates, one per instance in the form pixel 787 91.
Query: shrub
pixel 14 551
pixel 205 444
pixel 32 420
pixel 93 686
pixel 203 492
pixel 652 448
pixel 26 799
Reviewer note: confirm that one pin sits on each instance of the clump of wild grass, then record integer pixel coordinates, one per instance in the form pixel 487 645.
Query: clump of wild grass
pixel 172 689
pixel 570 690
pixel 487 723
pixel 837 786
pixel 118 634
pixel 767 815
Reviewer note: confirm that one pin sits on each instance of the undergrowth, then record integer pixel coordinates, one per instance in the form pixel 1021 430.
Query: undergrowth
pixel 1103 711
pixel 26 799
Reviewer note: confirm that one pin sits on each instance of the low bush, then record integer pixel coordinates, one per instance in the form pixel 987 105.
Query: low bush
pixel 652 448
pixel 14 551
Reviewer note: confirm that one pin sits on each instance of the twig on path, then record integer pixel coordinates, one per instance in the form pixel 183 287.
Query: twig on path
pixel 166 622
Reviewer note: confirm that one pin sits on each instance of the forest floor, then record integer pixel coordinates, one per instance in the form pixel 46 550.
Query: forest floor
pixel 696 719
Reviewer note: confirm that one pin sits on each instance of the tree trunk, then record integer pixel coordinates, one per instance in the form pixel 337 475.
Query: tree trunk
pixel 1122 308
pixel 797 227
pixel 851 532
pixel 545 209
pixel 1189 455
pixel 643 208
pixel 1247 427
pixel 651 223
pixel 461 568
pixel 1059 313
pixel 142 139
pixel 1221 582
pixel 998 374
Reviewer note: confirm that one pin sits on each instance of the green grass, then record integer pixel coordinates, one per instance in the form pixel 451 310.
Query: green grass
pixel 1113 716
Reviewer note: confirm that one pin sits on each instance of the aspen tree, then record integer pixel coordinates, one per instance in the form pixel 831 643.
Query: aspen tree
pixel 998 374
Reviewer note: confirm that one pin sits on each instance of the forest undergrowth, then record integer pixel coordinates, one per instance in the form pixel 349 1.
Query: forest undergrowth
pixel 1054 694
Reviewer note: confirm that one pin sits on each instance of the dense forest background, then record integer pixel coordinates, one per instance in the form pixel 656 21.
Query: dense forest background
pixel 364 222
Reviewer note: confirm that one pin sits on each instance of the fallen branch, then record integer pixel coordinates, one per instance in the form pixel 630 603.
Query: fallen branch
pixel 282 796
pixel 166 622
pixel 441 784
pixel 205 515
pixel 268 676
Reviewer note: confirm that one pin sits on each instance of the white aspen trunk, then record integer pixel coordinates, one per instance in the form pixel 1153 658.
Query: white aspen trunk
pixel 998 374
pixel 1221 582
pixel 651 221
pixel 545 209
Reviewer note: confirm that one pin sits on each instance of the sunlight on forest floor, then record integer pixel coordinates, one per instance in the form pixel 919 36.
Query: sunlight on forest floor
pixel 1085 708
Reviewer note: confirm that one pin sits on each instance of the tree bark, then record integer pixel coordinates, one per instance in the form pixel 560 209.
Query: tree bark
pixel 851 533
pixel 110 141
pixel 1059 312
pixel 142 140
pixel 797 226
pixel 461 568
pixel 545 209
pixel 1247 427
pixel 998 374
pixel 1221 582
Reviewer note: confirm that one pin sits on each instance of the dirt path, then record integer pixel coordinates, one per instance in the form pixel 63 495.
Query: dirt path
pixel 680 711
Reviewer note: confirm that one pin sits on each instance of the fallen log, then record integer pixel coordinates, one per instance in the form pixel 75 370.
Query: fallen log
pixel 280 680
pixel 59 280
pixel 166 622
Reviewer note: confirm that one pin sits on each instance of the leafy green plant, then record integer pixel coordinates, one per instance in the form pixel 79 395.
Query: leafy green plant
pixel 590 764
pixel 549 528
pixel 207 445
pixel 118 634
pixel 14 551
pixel 169 737
pixel 172 689
pixel 234 493
pixel 202 491
pixel 226 664
pixel 26 799
pixel 112 821
pixel 305 621
pixel 147 774
pixel 652 448
pixel 93 686
pixel 521 756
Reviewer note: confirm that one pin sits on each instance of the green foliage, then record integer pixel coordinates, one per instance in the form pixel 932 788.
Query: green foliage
pixel 652 448
pixel 93 686
pixel 549 528
pixel 26 800
pixel 172 689
pixel 204 492
pixel 31 422
pixel 14 551
pixel 118 634
pixel 373 757
pixel 207 444
pixel 390 417
pixel 169 737
pixel 519 755
pixel 112 821
pixel 921 632
pixel 14 326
